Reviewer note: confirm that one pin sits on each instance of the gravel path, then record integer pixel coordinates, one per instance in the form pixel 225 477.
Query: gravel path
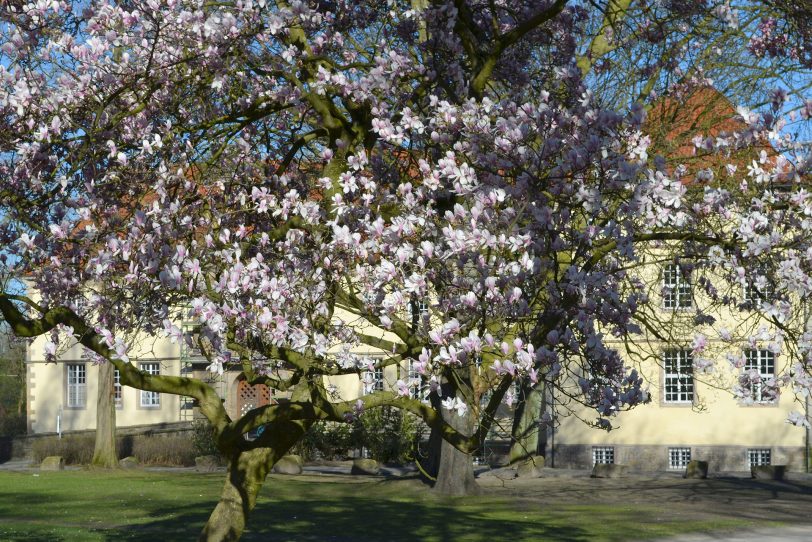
pixel 801 533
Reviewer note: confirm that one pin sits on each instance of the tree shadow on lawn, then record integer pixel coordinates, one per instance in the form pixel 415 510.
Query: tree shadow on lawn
pixel 362 514
pixel 366 511
pixel 357 520
pixel 358 510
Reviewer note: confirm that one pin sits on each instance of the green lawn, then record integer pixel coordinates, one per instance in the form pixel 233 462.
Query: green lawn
pixel 127 505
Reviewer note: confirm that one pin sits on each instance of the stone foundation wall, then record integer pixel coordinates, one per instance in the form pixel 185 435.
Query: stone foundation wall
pixel 655 457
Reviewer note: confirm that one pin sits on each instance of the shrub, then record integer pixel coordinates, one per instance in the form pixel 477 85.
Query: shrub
pixel 148 449
pixel 329 440
pixel 203 438
pixel 75 449
pixel 168 451
pixel 12 425
pixel 389 435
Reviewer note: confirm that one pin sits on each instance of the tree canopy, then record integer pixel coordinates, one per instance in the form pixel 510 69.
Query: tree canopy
pixel 297 177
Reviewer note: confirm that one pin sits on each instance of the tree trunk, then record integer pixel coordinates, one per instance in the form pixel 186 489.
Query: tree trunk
pixel 246 474
pixel 452 470
pixel 22 380
pixel 104 451
pixel 430 465
pixel 525 432
pixel 21 398
pixel 455 472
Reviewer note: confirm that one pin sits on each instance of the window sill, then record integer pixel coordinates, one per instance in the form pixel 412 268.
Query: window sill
pixel 759 404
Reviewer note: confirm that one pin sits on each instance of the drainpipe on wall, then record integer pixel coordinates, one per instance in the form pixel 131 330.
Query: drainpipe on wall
pixel 806 399
pixel 806 448
pixel 552 427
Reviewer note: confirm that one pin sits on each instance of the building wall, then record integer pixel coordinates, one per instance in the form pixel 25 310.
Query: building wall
pixel 348 387
pixel 47 386
pixel 716 425
pixel 48 393
pixel 642 457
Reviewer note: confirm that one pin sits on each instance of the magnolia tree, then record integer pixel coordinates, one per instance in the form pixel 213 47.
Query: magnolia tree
pixel 297 178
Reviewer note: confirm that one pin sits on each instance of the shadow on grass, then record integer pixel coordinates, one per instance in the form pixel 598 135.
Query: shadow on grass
pixel 311 510
pixel 148 506
pixel 358 519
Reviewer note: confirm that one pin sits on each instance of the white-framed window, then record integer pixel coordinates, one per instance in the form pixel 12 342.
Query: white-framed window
pixel 757 290
pixel 604 455
pixel 759 456
pixel 150 399
pixel 419 312
pixel 676 288
pixel 678 458
pixel 373 380
pixel 76 385
pixel 679 376
pixel 117 397
pixel 762 363
pixel 413 380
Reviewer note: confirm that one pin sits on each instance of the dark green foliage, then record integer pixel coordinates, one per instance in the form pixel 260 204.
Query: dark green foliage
pixel 326 440
pixel 330 441
pixel 12 425
pixel 203 438
pixel 12 385
pixel 387 434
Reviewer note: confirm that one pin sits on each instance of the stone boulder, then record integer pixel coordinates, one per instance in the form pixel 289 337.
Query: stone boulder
pixel 502 473
pixel 207 463
pixel 609 470
pixel 696 469
pixel 768 472
pixel 532 468
pixel 367 467
pixel 53 462
pixel 289 464
pixel 129 463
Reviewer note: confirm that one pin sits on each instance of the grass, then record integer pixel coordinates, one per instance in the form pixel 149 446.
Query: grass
pixel 141 505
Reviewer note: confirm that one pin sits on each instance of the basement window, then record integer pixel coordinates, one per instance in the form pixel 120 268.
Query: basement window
pixel 678 458
pixel 603 455
pixel 759 456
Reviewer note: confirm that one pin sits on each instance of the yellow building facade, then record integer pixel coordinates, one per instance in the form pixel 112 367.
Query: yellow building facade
pixel 692 413
pixel 62 396
pixel 692 354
